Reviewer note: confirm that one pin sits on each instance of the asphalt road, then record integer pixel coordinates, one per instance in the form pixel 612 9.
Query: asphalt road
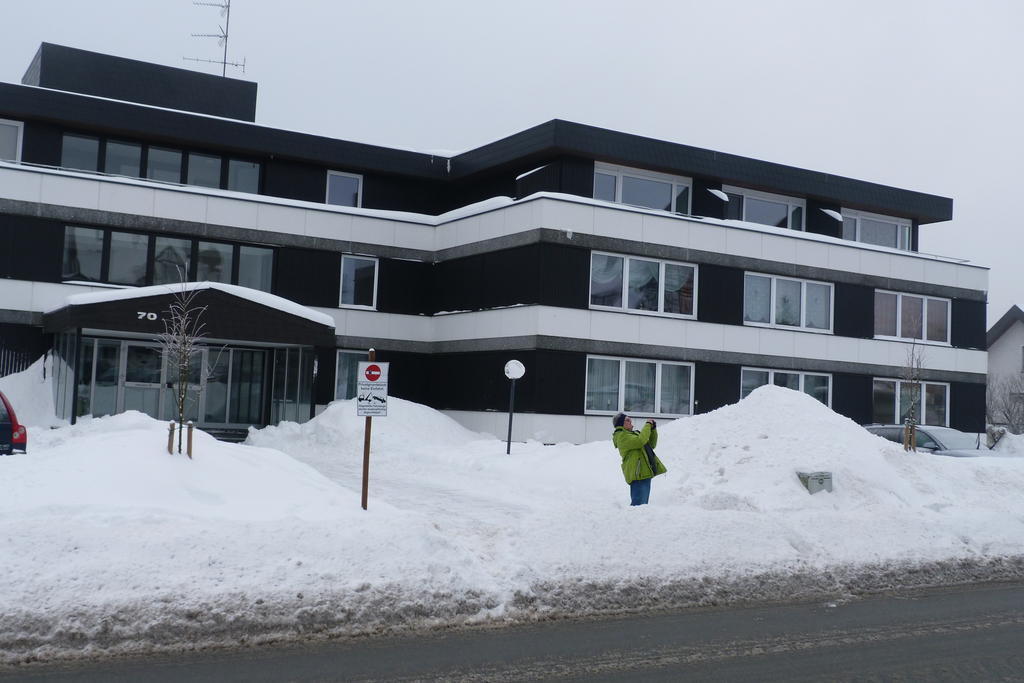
pixel 971 633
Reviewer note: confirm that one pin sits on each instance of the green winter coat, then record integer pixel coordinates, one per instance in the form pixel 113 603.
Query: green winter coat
pixel 631 448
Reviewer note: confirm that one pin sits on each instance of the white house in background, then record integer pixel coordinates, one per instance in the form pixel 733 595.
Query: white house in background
pixel 1006 345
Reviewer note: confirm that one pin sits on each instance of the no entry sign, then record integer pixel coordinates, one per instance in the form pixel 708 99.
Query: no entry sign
pixel 372 389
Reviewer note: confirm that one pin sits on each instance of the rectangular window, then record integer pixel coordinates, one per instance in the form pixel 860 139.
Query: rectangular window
pixel 767 209
pixel 203 170
pixel 910 316
pixel 83 254
pixel 80 152
pixel 641 387
pixel 214 262
pixel 348 365
pixel 172 258
pixel 99 255
pixel 604 186
pixel 10 140
pixel 358 281
pixel 123 158
pixel 641 284
pixel 243 176
pixel 637 187
pixel 930 409
pixel 344 189
pixel 786 302
pixel 163 165
pixel 255 267
pixel 128 256
pixel 884 231
pixel 813 384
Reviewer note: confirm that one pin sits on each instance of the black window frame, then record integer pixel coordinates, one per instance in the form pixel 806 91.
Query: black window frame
pixel 151 255
pixel 185 153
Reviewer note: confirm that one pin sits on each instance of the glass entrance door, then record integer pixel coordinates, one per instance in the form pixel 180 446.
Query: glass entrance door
pixel 143 374
pixel 227 387
pixel 107 380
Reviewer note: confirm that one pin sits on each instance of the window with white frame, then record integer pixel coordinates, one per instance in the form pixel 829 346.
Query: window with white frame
pixel 10 140
pixel 893 400
pixel 642 284
pixel 358 281
pixel 912 316
pixel 870 228
pixel 642 387
pixel 813 384
pixel 776 301
pixel 344 189
pixel 761 207
pixel 637 187
pixel 346 379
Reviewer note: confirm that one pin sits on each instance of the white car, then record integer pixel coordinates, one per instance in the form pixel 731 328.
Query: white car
pixel 937 440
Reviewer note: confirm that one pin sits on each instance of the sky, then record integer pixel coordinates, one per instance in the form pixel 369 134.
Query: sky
pixel 919 94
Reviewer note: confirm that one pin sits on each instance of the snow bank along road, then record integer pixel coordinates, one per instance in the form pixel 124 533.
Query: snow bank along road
pixel 109 545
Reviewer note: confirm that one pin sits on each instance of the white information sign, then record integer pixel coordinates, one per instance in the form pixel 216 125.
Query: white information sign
pixel 372 389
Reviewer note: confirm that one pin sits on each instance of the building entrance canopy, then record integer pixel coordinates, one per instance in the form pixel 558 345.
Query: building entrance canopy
pixel 253 366
pixel 231 312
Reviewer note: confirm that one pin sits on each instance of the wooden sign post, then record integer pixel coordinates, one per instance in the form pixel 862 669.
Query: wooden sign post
pixel 371 400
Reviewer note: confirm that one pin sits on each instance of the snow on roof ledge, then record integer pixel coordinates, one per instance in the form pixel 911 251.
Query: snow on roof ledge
pixel 254 295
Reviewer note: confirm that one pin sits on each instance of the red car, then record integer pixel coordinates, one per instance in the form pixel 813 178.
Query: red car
pixel 13 435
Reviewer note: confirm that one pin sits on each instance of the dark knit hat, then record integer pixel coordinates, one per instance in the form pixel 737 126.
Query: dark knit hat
pixel 619 420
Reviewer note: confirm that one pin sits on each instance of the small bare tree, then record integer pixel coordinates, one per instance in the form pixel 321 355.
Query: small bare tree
pixel 911 376
pixel 1004 402
pixel 183 333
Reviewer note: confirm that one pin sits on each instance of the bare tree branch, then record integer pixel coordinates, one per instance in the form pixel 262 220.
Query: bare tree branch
pixel 1004 402
pixel 183 334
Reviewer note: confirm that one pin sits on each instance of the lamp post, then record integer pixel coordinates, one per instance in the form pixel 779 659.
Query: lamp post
pixel 513 370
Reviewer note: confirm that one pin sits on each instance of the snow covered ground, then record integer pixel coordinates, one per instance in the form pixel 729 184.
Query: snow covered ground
pixel 108 544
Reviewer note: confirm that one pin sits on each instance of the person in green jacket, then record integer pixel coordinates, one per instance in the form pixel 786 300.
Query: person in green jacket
pixel 639 463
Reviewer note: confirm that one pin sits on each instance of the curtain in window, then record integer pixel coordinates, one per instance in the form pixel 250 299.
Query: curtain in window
pixel 938 328
pixel 787 302
pixel 935 404
pixel 884 401
pixel 675 390
pixel 757 292
pixel 678 289
pixel 911 317
pixel 819 303
pixel 817 386
pixel 602 384
pixel 605 280
pixel 643 284
pixel 640 379
pixel 885 314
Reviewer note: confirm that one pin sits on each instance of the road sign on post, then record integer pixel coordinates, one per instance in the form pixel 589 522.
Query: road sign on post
pixel 372 389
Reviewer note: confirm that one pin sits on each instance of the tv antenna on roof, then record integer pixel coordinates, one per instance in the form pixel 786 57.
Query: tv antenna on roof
pixel 222 38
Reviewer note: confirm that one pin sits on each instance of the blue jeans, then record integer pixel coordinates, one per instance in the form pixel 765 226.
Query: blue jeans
pixel 640 492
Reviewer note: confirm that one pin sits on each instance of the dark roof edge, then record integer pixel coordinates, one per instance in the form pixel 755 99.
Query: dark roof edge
pixel 1013 315
pixel 533 145
pixel 602 144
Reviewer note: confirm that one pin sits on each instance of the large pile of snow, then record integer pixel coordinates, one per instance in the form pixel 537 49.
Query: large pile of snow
pixel 112 544
pixel 31 393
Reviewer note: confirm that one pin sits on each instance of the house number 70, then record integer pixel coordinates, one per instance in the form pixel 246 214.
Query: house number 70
pixel 143 315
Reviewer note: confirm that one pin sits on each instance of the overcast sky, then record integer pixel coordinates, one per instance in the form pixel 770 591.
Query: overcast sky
pixel 919 94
